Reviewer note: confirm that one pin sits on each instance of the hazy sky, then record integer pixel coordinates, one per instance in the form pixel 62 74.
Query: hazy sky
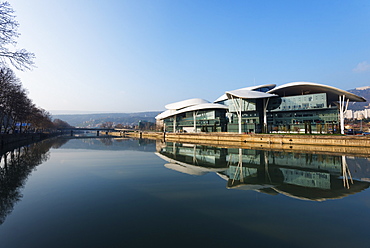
pixel 139 55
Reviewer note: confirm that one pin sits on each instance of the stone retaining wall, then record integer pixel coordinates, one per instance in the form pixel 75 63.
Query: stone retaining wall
pixel 356 145
pixel 317 140
pixel 9 141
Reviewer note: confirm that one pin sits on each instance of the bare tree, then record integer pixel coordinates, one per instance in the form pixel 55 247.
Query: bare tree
pixel 58 123
pixel 17 109
pixel 9 87
pixel 20 59
pixel 41 119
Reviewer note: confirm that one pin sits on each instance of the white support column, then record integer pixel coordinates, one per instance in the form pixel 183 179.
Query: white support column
pixel 195 121
pixel 174 124
pixel 266 158
pixel 346 173
pixel 342 110
pixel 265 103
pixel 174 149
pixel 195 154
pixel 238 109
pixel 240 115
pixel 240 165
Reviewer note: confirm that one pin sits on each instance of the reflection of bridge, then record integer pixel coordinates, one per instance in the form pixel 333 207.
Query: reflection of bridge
pixel 97 130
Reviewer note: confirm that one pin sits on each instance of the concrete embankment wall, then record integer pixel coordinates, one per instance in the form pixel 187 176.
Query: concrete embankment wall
pixel 313 143
pixel 9 141
pixel 333 140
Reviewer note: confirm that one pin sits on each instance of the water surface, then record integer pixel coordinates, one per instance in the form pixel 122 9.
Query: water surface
pixel 131 193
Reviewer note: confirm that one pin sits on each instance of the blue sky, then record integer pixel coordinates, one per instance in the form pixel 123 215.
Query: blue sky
pixel 139 55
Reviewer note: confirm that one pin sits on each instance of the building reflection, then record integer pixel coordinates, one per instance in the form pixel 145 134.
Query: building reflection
pixel 315 177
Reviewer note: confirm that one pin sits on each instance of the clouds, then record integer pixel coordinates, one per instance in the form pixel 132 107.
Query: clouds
pixel 362 67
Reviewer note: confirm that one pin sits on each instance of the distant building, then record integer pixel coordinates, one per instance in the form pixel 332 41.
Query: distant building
pixel 361 114
pixel 348 114
pixel 292 107
pixel 363 88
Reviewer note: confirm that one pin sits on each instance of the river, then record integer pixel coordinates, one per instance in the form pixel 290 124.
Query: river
pixel 105 192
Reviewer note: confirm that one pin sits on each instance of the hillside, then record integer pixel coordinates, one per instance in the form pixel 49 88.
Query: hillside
pixel 365 93
pixel 95 120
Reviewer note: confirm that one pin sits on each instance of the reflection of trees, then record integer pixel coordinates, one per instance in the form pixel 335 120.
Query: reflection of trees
pixel 15 167
pixel 57 143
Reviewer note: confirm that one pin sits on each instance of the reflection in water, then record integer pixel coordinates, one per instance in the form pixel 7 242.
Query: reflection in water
pixel 315 177
pixel 15 167
pixel 107 143
pixel 120 195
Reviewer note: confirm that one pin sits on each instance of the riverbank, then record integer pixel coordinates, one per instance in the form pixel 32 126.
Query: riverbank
pixel 11 141
pixel 336 144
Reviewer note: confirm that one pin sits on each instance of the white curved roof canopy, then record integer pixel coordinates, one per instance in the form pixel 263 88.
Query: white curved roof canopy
pixel 251 88
pixel 248 94
pixel 186 167
pixel 202 106
pixel 165 114
pixel 185 103
pixel 304 88
pixel 181 167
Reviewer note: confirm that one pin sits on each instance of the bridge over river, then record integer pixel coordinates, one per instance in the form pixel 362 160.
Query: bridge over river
pixel 97 130
pixel 79 129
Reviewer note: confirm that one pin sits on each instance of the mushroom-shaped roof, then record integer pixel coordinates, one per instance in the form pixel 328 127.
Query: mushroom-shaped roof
pixel 185 103
pixel 165 114
pixel 202 106
pixel 187 168
pixel 317 194
pixel 304 88
pixel 251 88
pixel 248 94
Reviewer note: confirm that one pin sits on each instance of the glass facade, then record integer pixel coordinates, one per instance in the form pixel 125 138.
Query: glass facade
pixel 302 102
pixel 247 105
pixel 303 113
pixel 311 113
pixel 206 121
pixel 251 115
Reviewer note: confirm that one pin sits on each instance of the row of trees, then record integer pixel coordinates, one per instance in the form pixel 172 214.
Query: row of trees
pixel 17 111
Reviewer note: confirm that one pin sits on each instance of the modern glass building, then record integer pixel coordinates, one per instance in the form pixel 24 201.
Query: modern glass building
pixel 290 108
